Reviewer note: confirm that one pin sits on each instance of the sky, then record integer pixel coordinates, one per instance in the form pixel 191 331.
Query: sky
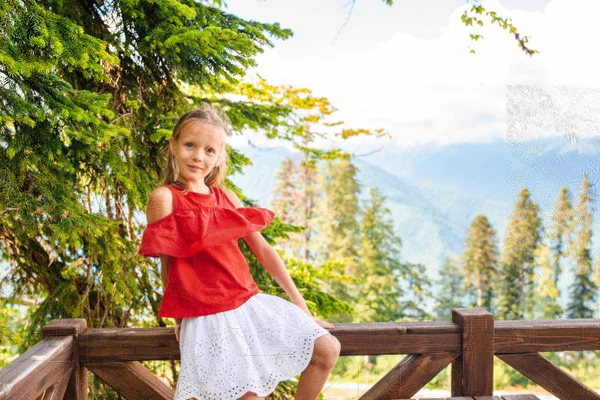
pixel 407 68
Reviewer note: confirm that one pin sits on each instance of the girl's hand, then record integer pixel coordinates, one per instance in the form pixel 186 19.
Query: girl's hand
pixel 177 332
pixel 323 324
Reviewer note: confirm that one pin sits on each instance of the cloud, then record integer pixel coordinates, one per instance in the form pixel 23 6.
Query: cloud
pixel 433 90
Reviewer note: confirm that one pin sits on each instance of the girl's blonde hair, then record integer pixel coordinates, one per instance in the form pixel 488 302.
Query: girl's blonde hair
pixel 206 114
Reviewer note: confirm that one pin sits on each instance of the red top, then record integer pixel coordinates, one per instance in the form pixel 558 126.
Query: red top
pixel 208 273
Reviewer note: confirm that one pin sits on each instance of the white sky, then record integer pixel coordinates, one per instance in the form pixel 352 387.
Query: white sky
pixel 407 68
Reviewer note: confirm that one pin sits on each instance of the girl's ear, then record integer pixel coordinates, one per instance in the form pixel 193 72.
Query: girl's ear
pixel 171 146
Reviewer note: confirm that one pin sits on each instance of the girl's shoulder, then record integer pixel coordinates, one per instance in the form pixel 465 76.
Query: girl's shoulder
pixel 161 195
pixel 160 204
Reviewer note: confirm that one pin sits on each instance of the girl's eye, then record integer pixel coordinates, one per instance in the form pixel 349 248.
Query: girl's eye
pixel 189 144
pixel 211 149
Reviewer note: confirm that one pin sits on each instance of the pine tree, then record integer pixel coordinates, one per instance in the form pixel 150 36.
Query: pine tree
pixel 450 294
pixel 522 238
pixel 559 231
pixel 417 287
pixel 89 96
pixel 380 267
pixel 547 294
pixel 311 197
pixel 480 261
pixel 583 290
pixel 338 226
pixel 288 203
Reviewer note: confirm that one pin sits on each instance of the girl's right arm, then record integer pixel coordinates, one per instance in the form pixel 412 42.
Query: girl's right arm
pixel 159 206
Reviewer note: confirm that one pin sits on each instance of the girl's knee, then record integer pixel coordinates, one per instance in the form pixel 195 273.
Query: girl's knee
pixel 327 350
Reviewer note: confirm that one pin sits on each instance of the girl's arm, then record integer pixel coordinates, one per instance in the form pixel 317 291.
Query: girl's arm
pixel 159 206
pixel 270 260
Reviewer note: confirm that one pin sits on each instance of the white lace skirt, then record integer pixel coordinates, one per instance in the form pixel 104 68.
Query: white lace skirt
pixel 252 348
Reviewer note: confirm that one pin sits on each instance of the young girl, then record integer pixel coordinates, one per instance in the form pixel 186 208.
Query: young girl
pixel 235 341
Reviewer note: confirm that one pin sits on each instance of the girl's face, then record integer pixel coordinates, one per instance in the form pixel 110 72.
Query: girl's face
pixel 198 150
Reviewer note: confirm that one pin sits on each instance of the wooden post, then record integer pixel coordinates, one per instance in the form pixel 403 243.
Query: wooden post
pixel 473 370
pixel 77 389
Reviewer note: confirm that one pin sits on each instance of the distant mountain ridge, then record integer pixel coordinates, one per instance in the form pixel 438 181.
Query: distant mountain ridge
pixel 435 193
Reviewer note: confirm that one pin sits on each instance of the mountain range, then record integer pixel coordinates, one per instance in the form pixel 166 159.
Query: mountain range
pixel 434 193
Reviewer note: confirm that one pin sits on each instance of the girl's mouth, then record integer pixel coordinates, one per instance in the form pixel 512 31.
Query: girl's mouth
pixel 194 168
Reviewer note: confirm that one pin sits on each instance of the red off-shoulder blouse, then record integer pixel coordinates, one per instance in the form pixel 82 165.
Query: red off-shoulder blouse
pixel 208 273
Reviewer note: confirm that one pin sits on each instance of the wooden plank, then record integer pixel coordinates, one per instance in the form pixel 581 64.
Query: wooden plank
pixel 64 327
pixel 38 368
pixel 432 398
pixel 132 380
pixel 487 398
pixel 409 376
pixel 473 372
pixel 520 397
pixel 427 327
pixel 140 344
pixel 533 336
pixel 58 390
pixel 128 344
pixel 77 386
pixel 552 378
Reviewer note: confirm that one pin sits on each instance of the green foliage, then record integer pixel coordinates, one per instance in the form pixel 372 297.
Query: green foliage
pixel 379 257
pixel 478 11
pixel 480 261
pixel 90 93
pixel 524 234
pixel 560 230
pixel 583 289
pixel 450 294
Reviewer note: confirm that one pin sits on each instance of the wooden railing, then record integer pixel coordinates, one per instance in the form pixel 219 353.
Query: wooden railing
pixel 57 367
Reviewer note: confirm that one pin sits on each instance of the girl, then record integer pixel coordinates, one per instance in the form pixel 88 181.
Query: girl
pixel 235 342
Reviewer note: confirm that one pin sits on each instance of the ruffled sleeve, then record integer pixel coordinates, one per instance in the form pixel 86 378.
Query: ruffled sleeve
pixel 184 233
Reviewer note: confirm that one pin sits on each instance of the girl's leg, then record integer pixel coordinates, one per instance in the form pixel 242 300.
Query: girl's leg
pixel 313 378
pixel 250 396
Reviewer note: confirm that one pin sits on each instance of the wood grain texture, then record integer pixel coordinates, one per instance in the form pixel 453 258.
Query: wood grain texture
pixel 132 381
pixel 77 386
pixel 473 372
pixel 409 376
pixel 552 378
pixel 37 369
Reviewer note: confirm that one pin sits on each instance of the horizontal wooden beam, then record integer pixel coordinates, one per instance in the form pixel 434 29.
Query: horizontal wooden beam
pixel 535 336
pixel 523 336
pixel 128 344
pixel 34 371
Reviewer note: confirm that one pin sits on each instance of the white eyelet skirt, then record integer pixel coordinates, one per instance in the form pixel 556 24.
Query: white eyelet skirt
pixel 252 348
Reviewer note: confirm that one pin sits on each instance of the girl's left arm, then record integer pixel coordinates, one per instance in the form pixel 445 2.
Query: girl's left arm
pixel 270 260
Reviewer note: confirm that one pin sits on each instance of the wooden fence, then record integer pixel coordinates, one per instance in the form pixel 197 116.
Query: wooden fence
pixel 57 367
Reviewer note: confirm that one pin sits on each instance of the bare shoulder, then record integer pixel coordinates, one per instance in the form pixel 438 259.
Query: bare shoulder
pixel 233 197
pixel 160 204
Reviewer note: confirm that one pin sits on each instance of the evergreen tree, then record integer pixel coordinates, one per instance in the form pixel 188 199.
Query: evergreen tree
pixel 583 290
pixel 339 231
pixel 522 238
pixel 480 261
pixel 311 196
pixel 450 294
pixel 547 294
pixel 560 231
pixel 288 203
pixel 380 267
pixel 90 93
pixel 417 287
